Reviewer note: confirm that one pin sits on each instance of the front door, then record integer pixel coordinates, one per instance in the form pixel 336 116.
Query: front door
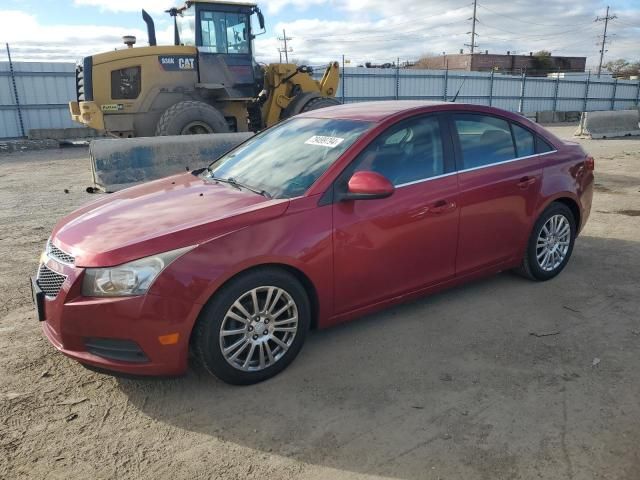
pixel 387 247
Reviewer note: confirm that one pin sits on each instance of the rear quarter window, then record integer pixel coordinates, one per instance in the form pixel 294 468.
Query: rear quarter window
pixel 525 141
pixel 542 146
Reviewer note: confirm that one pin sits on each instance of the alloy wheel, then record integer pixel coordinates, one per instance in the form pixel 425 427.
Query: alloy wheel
pixel 258 328
pixel 553 243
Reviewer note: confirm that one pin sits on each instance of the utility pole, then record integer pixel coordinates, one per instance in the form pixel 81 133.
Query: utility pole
pixel 604 19
pixel 286 49
pixel 473 33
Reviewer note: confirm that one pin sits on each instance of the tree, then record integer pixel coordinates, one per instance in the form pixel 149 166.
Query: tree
pixel 616 66
pixel 622 67
pixel 542 61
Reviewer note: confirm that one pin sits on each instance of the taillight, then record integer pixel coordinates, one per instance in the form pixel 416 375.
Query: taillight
pixel 589 163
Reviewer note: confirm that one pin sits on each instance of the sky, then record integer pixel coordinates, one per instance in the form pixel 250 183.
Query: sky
pixel 375 31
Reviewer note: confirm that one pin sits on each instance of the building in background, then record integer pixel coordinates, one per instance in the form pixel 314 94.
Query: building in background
pixel 533 64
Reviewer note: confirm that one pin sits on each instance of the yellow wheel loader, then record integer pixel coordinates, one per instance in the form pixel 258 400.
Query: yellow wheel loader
pixel 207 82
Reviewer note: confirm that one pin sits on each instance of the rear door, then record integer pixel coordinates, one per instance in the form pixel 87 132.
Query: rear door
pixel 499 178
pixel 390 246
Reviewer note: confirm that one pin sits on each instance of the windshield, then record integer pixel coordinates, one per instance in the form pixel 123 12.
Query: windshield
pixel 287 159
pixel 224 32
pixel 186 26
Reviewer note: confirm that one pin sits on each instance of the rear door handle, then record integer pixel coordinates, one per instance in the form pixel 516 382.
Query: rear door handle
pixel 442 206
pixel 525 182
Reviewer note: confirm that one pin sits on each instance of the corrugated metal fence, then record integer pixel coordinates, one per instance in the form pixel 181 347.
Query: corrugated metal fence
pixel 43 92
pixel 517 93
pixel 45 88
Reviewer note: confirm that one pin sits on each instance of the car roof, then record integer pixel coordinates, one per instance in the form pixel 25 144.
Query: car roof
pixel 370 111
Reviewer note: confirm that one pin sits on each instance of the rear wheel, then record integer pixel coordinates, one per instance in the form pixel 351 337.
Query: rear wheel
pixel 191 118
pixel 551 243
pixel 254 327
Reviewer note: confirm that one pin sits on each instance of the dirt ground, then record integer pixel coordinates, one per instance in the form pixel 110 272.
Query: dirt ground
pixel 499 379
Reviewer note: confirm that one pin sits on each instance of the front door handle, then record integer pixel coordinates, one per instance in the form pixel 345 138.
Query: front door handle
pixel 442 206
pixel 526 182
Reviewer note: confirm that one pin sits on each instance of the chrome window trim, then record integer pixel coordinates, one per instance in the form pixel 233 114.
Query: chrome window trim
pixel 474 168
pixel 506 161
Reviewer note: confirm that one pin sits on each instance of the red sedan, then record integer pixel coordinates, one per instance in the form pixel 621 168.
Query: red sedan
pixel 325 217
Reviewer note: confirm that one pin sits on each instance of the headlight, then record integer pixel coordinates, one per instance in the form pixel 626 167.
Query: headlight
pixel 133 278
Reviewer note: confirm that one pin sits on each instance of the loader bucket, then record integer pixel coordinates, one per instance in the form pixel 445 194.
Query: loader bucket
pixel 121 163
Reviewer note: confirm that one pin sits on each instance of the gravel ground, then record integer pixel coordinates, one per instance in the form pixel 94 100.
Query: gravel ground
pixel 501 378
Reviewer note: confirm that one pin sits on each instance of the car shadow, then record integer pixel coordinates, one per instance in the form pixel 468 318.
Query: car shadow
pixel 469 383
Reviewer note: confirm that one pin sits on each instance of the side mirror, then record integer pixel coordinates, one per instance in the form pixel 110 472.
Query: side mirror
pixel 367 185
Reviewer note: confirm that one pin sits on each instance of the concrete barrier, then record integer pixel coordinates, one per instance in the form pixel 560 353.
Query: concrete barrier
pixel 62 133
pixel 121 163
pixel 610 124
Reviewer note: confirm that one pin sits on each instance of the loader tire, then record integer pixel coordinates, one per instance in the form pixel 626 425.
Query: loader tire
pixel 320 102
pixel 191 117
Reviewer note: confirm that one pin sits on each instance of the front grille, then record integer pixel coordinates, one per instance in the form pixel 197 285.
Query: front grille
pixel 49 281
pixel 57 254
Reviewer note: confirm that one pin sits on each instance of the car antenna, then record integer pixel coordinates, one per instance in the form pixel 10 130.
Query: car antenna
pixel 458 92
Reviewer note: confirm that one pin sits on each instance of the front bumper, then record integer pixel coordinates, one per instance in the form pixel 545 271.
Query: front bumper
pixel 88 329
pixel 87 113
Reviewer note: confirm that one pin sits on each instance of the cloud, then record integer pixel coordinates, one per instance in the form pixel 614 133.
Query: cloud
pixel 157 6
pixel 152 6
pixel 65 42
pixel 381 31
pixel 363 30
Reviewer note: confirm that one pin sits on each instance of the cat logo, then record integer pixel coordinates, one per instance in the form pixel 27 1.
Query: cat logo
pixel 177 62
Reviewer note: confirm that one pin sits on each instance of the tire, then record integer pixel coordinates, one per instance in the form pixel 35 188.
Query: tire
pixel 531 267
pixel 191 117
pixel 250 337
pixel 320 102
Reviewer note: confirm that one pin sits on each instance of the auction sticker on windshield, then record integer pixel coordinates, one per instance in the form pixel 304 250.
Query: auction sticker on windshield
pixel 323 141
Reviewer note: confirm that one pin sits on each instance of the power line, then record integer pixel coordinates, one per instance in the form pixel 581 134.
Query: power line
pixel 604 19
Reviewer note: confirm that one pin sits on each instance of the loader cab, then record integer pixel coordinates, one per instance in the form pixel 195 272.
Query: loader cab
pixel 223 34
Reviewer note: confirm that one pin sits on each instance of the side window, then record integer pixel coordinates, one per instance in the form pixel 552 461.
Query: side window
pixel 408 152
pixel 483 139
pixel 542 146
pixel 125 83
pixel 525 143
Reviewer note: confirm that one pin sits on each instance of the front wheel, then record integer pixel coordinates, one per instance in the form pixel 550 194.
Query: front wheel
pixel 254 327
pixel 551 243
pixel 191 117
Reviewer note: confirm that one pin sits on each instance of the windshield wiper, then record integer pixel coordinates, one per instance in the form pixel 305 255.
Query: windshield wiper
pixel 264 193
pixel 233 182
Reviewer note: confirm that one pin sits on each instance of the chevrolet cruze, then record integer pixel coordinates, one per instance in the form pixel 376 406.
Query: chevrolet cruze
pixel 325 217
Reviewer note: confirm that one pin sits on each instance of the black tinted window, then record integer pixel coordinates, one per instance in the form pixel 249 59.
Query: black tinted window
pixel 542 146
pixel 524 141
pixel 125 83
pixel 484 140
pixel 407 152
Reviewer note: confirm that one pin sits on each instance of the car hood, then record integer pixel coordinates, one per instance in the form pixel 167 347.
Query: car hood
pixel 159 216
